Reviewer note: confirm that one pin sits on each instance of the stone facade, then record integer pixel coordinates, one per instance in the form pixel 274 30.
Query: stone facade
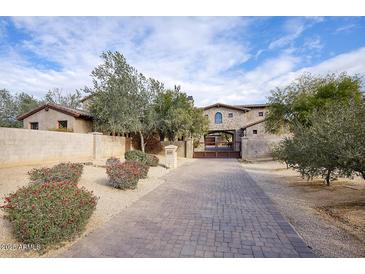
pixel 247 125
pixel 235 120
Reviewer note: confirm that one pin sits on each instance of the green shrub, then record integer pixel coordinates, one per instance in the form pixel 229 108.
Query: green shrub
pixel 121 177
pixel 113 161
pixel 49 213
pixel 64 172
pixel 140 156
pixel 136 155
pixel 152 160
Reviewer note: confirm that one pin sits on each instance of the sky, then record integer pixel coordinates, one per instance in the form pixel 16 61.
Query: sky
pixel 232 60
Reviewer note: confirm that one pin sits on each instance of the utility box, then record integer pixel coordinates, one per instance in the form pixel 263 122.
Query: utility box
pixel 171 156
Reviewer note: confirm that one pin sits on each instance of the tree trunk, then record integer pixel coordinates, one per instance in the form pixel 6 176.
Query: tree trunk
pixel 142 141
pixel 162 137
pixel 363 174
pixel 328 176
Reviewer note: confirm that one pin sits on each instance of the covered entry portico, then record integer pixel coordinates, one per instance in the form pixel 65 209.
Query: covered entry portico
pixel 218 144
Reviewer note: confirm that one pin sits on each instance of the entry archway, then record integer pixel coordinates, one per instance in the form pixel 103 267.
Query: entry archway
pixel 217 144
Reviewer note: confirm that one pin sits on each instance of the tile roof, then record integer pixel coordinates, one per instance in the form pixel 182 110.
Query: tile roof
pixel 253 106
pixel 77 113
pixel 226 106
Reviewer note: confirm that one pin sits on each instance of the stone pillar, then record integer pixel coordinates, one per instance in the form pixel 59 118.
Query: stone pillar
pixel 171 156
pixel 97 149
pixel 244 148
pixel 189 148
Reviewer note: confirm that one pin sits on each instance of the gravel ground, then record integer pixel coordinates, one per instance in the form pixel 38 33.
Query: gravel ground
pixel 301 202
pixel 111 201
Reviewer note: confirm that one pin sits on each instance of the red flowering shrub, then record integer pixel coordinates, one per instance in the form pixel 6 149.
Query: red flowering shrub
pixel 69 172
pixel 122 177
pixel 49 213
pixel 137 168
pixel 126 175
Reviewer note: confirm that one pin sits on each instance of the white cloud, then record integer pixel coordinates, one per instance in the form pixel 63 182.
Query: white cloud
pixel 255 86
pixel 346 28
pixel 293 28
pixel 174 50
pixel 313 43
pixel 202 54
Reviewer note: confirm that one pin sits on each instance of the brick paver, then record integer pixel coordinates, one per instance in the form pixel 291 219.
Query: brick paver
pixel 208 208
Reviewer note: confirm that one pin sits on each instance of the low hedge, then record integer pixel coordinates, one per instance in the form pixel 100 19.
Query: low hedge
pixel 49 213
pixel 63 172
pixel 140 156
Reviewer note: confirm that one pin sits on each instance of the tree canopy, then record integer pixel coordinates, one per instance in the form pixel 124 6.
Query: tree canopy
pixel 13 105
pixel 125 101
pixel 56 96
pixel 333 144
pixel 177 117
pixel 297 101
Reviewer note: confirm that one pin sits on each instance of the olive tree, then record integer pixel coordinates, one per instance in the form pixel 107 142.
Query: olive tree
pixel 333 145
pixel 177 117
pixel 122 98
pixel 296 102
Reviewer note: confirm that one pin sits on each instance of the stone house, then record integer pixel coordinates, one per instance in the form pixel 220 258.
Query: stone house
pixel 245 127
pixel 234 130
pixel 52 116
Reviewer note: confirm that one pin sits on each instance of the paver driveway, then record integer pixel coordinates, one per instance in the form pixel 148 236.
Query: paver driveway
pixel 207 208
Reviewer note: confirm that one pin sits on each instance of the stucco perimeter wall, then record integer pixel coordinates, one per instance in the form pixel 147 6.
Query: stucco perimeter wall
pixel 107 146
pixel 25 146
pixel 253 148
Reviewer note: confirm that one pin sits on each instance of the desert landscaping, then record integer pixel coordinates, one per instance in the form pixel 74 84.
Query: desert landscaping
pixel 111 201
pixel 330 219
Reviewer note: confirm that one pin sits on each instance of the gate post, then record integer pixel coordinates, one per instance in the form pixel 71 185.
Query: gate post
pixel 244 148
pixel 189 147
pixel 171 156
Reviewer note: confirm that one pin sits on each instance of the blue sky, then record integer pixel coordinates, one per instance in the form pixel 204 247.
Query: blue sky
pixel 233 60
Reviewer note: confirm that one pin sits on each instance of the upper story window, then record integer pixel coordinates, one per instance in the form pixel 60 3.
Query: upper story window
pixel 34 125
pixel 230 115
pixel 62 124
pixel 218 118
pixel 261 113
pixel 254 131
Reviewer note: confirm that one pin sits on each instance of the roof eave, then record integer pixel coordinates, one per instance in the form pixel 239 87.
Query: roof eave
pixel 226 106
pixel 49 105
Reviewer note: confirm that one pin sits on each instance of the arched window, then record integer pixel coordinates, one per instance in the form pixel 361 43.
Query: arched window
pixel 218 118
